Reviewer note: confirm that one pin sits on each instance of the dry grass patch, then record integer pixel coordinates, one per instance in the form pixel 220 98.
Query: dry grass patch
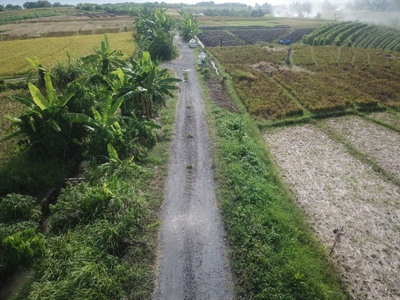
pixel 338 192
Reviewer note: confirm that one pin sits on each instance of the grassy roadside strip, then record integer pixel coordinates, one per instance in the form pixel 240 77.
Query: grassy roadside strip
pixel 104 231
pixel 273 253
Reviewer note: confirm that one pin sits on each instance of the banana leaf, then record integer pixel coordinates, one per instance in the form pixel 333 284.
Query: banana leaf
pixel 37 97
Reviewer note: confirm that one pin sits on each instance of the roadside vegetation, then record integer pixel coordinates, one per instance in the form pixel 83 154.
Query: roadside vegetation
pixel 101 109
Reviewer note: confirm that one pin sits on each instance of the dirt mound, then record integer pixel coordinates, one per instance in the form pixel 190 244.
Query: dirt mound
pixel 294 69
pixel 264 67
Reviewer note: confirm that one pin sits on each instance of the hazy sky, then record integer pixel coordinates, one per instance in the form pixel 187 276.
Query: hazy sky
pixel 74 2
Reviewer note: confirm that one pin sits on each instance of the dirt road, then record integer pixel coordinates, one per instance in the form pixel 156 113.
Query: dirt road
pixel 193 263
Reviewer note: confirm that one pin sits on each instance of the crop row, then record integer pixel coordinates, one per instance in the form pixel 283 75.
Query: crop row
pixel 355 34
pixel 324 79
pixel 261 94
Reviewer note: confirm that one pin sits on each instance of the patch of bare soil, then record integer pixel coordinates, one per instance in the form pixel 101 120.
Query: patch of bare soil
pixel 377 142
pixel 219 94
pixel 388 118
pixel 347 204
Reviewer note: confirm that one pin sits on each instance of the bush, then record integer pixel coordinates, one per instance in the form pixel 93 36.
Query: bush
pixel 23 248
pixel 19 207
pixel 21 174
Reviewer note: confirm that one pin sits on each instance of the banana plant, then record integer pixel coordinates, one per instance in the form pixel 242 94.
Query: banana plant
pixel 155 85
pixel 42 122
pixel 188 25
pixel 107 58
pixel 103 127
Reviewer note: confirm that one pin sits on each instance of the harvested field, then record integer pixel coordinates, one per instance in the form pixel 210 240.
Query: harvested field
pixel 348 205
pixel 388 118
pixel 63 26
pixel 379 143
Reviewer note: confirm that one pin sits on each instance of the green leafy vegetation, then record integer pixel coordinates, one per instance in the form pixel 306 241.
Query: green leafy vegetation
pixel 23 248
pixel 103 228
pixel 155 31
pixel 188 25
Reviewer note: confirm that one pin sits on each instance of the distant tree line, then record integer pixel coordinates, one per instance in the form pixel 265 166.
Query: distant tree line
pixel 10 7
pixel 43 4
pixel 30 5
pixel 301 8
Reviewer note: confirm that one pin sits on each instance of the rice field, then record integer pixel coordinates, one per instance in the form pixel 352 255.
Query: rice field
pixel 13 54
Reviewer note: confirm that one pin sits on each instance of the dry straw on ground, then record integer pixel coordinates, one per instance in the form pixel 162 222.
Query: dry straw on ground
pixel 338 192
pixel 378 143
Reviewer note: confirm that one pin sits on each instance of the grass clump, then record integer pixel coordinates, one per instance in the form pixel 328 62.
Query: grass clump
pixel 274 254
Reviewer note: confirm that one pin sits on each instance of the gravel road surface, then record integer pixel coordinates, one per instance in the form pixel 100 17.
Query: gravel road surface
pixel 192 255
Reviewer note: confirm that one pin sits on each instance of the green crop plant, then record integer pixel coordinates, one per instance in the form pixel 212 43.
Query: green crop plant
pixel 104 57
pixel 23 248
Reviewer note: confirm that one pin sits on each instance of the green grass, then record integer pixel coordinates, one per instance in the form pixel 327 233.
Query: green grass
pixel 274 254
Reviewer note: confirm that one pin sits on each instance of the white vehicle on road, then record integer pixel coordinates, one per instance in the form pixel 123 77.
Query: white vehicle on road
pixel 192 43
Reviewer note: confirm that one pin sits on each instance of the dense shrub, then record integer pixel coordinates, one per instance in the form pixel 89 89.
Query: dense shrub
pixel 16 207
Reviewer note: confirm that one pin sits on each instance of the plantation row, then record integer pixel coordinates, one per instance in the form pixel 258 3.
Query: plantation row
pixel 237 36
pixel 325 79
pixel 355 35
